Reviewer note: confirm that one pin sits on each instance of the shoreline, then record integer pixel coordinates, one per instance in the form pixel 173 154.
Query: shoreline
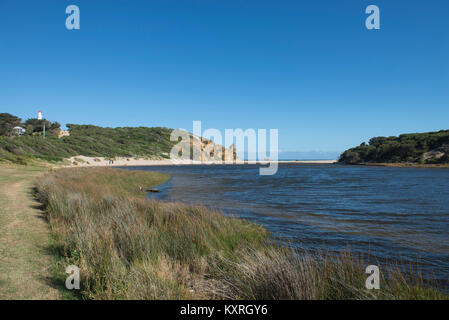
pixel 83 161
pixel 407 165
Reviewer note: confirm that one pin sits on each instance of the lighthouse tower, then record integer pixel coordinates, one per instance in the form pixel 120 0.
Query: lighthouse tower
pixel 39 115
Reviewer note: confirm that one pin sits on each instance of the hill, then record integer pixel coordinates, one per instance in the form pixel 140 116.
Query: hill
pixel 420 148
pixel 95 141
pixel 88 140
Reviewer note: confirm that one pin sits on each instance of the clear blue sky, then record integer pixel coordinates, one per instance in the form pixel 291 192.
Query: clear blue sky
pixel 309 68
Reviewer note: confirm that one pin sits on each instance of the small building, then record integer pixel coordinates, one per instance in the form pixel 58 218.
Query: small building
pixel 63 133
pixel 19 131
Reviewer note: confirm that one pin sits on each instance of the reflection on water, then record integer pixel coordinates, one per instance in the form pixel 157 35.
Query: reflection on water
pixel 392 213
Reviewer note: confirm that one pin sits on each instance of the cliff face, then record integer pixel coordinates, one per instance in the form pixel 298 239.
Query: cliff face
pixel 63 133
pixel 205 150
pixel 426 148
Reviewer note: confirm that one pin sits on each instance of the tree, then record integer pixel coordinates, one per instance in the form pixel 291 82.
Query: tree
pixel 38 126
pixel 29 129
pixel 54 128
pixel 350 157
pixel 7 123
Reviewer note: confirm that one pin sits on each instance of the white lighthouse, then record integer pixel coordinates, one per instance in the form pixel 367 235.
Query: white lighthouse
pixel 39 115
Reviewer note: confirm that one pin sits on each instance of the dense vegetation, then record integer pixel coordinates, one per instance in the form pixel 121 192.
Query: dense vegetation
pixel 7 123
pixel 87 140
pixel 128 247
pixel 32 126
pixel 423 148
pixel 36 127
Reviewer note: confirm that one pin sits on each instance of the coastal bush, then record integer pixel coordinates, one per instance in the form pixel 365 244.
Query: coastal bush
pixel 7 123
pixel 90 141
pixel 409 148
pixel 129 247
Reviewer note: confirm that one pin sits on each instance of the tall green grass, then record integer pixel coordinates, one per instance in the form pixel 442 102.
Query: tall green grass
pixel 128 247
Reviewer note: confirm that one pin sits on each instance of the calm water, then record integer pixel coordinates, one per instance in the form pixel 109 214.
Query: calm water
pixel 390 213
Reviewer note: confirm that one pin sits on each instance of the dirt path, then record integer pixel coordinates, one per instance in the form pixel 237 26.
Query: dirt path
pixel 24 238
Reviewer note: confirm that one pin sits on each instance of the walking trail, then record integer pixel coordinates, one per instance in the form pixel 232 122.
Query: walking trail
pixel 25 259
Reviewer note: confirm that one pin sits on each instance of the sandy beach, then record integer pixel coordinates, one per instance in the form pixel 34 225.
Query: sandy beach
pixel 83 161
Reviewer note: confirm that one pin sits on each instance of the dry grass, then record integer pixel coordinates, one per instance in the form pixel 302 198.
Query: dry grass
pixel 128 247
pixel 24 238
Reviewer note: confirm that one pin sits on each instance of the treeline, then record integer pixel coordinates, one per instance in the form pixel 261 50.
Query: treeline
pixel 423 148
pixel 87 140
pixel 32 126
